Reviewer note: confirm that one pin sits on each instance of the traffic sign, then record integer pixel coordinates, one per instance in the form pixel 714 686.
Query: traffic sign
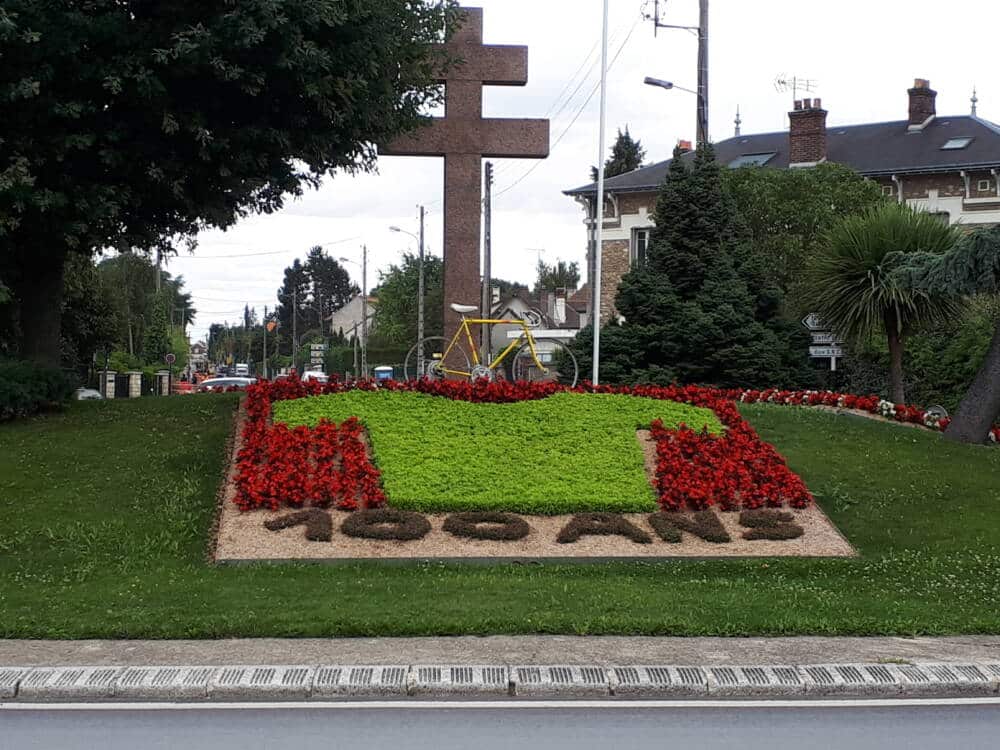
pixel 813 323
pixel 825 337
pixel 825 351
pixel 170 358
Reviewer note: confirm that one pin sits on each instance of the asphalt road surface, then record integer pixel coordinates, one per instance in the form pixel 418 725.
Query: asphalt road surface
pixel 857 726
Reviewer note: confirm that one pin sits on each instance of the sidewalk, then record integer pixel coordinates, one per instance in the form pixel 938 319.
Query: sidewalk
pixel 496 667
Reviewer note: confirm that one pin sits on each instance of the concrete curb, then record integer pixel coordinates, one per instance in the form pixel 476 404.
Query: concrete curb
pixel 345 682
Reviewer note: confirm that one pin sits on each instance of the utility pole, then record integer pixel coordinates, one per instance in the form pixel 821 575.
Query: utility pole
pixel 265 342
pixel 295 320
pixel 487 305
pixel 702 132
pixel 701 112
pixel 420 299
pixel 599 212
pixel 364 311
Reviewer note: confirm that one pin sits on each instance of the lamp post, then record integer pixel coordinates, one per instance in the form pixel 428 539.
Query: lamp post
pixel 702 135
pixel 364 307
pixel 420 290
pixel 599 212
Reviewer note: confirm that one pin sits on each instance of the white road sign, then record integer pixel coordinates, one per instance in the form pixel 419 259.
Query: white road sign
pixel 825 351
pixel 825 337
pixel 813 323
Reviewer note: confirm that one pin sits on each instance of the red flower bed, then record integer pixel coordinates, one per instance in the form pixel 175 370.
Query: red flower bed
pixel 323 466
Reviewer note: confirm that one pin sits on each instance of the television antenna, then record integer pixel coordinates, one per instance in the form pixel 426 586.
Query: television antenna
pixel 784 82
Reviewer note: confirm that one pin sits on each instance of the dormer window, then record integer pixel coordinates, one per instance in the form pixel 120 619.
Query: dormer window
pixel 956 144
pixel 756 160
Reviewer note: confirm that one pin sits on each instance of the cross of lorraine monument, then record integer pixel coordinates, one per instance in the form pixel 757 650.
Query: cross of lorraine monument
pixel 464 138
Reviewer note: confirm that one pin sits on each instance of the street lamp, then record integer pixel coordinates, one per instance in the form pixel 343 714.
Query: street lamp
pixel 702 108
pixel 420 290
pixel 364 307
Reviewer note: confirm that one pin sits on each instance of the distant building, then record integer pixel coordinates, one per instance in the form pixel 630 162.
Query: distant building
pixel 198 357
pixel 949 166
pixel 347 320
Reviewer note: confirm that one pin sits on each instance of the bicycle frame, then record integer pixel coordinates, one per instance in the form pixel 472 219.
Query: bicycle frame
pixel 474 351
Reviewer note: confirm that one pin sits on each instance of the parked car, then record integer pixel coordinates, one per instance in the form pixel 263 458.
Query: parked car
pixel 224 384
pixel 242 370
pixel 318 375
pixel 87 394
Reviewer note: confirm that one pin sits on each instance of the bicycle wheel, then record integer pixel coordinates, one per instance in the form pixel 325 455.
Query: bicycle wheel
pixel 559 362
pixel 434 348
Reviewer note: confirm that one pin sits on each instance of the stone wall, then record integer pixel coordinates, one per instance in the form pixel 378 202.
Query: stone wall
pixel 614 265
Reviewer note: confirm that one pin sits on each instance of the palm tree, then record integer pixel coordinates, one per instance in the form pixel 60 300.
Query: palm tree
pixel 853 287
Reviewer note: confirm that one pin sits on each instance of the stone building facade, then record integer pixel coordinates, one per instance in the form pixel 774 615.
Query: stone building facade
pixel 947 165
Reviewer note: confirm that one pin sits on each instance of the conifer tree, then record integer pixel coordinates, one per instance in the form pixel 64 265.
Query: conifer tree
pixel 627 154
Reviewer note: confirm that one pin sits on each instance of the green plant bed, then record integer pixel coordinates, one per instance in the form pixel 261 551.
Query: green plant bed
pixel 566 453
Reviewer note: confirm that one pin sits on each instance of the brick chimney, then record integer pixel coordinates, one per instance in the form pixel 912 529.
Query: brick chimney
pixel 807 132
pixel 922 102
pixel 684 146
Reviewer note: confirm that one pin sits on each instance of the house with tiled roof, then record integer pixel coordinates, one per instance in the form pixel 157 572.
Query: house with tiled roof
pixel 948 165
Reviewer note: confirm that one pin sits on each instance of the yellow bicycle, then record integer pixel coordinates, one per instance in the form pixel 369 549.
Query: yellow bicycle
pixel 524 358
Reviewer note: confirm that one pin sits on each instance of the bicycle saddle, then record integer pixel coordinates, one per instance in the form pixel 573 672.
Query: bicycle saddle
pixel 464 308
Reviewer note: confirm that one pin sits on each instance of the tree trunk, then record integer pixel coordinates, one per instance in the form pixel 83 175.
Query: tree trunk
pixel 895 359
pixel 981 405
pixel 39 294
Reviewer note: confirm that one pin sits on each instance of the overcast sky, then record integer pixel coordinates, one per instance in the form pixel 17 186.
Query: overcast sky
pixel 863 55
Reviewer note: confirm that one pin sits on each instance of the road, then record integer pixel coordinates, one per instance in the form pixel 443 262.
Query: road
pixel 562 726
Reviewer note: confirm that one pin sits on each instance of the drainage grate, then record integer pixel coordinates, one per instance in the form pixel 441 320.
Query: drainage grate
pixel 915 675
pixel 593 675
pixel 850 674
pixel 68 677
pixel 562 675
pixel 463 675
pixel 529 675
pixel 261 676
pixel 361 676
pixel 994 669
pixel 880 674
pixel 328 676
pixel 787 675
pixel 755 676
pixel 495 676
pixel 971 673
pixel 725 676
pixel 820 675
pixel 199 676
pixel 691 676
pixel 627 675
pixel 231 676
pixel 296 676
pixel 431 674
pixel 133 676
pixel 164 677
pixel 393 675
pixel 658 675
pixel 942 673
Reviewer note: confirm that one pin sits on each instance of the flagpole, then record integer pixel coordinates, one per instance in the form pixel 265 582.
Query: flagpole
pixel 599 210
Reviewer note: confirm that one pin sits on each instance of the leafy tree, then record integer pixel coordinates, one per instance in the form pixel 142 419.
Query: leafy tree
pixel 395 321
pixel 853 287
pixel 971 266
pixel 130 124
pixel 156 340
pixel 310 293
pixel 560 275
pixel 689 314
pixel 626 155
pixel 787 212
pixel 88 323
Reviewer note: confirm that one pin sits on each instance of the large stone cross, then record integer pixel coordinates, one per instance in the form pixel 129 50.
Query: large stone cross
pixel 464 137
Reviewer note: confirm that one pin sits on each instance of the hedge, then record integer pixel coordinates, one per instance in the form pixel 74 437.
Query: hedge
pixel 26 388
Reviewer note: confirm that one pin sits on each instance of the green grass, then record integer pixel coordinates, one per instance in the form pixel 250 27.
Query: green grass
pixel 105 513
pixel 569 452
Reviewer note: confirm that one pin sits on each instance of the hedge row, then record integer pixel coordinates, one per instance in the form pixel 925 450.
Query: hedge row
pixel 26 389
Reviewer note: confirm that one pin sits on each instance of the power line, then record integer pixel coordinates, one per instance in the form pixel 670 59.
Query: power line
pixel 576 117
pixel 269 252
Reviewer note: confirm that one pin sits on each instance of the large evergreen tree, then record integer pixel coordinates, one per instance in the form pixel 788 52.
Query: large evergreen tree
pixel 690 314
pixel 127 124
pixel 560 275
pixel 626 155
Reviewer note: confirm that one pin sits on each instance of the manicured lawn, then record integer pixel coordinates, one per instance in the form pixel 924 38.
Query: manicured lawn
pixel 569 452
pixel 105 513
